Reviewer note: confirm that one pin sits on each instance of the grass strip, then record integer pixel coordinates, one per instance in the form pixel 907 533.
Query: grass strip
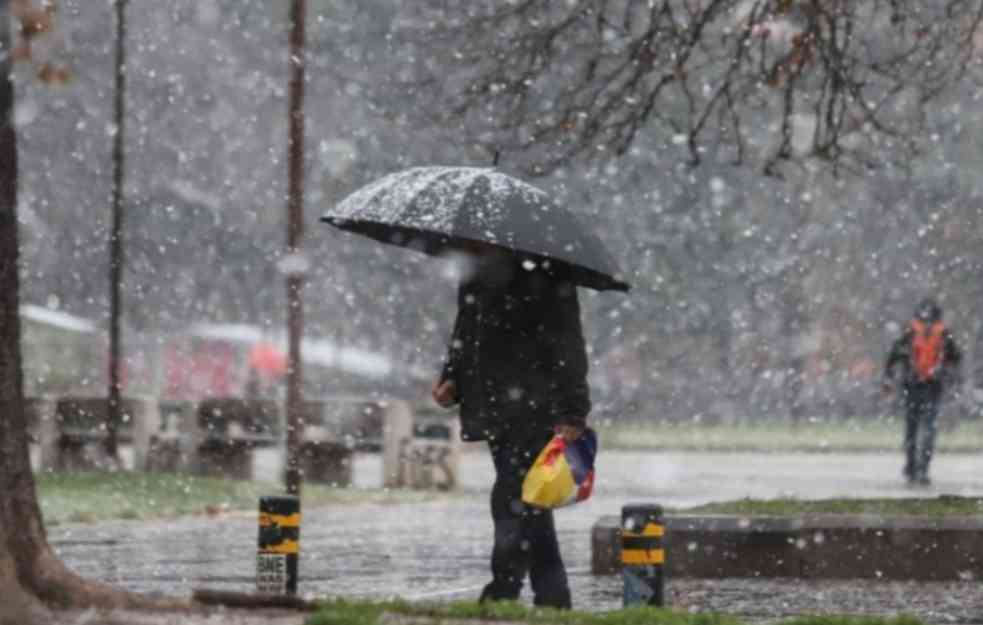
pixel 91 497
pixel 347 612
pixel 855 435
pixel 941 506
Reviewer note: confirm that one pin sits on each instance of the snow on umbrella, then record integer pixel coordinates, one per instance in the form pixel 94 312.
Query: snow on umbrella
pixel 433 209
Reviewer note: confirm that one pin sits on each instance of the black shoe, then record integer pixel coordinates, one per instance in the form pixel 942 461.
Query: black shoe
pixel 492 592
pixel 922 480
pixel 909 473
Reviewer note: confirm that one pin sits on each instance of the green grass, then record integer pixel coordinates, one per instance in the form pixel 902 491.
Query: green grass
pixel 944 505
pixel 851 620
pixel 810 436
pixel 344 612
pixel 90 497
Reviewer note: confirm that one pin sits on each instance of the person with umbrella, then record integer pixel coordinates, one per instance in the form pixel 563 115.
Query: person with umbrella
pixel 517 366
pixel 517 362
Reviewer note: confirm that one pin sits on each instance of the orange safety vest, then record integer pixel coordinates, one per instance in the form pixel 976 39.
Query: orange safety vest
pixel 926 349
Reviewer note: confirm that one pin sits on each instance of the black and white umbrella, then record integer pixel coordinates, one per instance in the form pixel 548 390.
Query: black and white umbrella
pixel 432 209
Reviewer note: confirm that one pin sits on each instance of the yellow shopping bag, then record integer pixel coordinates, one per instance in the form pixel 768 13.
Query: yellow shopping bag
pixel 562 474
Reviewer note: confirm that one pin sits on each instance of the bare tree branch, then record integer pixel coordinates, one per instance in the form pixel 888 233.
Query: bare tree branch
pixel 770 81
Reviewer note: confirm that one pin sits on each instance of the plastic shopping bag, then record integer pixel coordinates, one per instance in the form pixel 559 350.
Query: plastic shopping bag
pixel 563 473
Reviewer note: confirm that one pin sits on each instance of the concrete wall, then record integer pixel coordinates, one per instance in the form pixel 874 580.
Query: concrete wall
pixel 813 546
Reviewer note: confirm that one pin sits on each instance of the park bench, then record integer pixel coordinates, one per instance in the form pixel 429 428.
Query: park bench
pixel 358 421
pixel 337 426
pixel 422 447
pixel 227 432
pixel 171 444
pixel 333 430
pixel 71 431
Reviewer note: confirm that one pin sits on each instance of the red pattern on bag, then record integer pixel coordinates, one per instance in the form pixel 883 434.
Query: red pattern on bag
pixel 558 447
pixel 586 487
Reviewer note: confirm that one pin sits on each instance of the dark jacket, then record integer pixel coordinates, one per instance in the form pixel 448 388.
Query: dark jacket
pixel 517 356
pixel 900 357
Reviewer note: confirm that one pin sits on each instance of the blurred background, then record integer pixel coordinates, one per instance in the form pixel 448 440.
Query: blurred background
pixel 755 298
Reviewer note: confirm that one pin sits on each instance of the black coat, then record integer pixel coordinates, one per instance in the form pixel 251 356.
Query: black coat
pixel 517 356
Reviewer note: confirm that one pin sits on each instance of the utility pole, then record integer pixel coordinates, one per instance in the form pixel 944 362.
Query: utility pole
pixel 295 265
pixel 116 240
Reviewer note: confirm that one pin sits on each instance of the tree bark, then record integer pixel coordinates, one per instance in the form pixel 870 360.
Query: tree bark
pixel 30 573
pixel 16 481
pixel 18 607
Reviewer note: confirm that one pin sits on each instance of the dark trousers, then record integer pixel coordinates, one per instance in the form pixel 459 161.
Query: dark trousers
pixel 525 538
pixel 921 414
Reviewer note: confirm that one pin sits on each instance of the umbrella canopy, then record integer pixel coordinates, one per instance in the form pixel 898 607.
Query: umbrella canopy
pixel 268 360
pixel 432 209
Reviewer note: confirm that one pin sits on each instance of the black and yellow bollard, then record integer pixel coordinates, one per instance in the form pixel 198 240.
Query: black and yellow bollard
pixel 643 555
pixel 279 545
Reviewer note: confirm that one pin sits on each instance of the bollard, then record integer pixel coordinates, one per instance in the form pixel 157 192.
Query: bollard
pixel 279 545
pixel 643 555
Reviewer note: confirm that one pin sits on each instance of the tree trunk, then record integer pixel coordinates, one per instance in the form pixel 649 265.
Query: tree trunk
pixel 18 607
pixel 16 481
pixel 30 572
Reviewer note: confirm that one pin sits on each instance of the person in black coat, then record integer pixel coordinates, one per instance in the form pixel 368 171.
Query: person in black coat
pixel 924 362
pixel 517 365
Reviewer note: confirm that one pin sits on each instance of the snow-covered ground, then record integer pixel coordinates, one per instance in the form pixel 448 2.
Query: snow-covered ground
pixel 438 550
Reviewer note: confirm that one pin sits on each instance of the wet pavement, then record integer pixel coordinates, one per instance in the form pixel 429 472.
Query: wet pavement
pixel 438 550
pixel 205 616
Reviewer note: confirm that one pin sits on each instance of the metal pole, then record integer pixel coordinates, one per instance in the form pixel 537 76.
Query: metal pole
pixel 278 548
pixel 643 555
pixel 295 231
pixel 116 240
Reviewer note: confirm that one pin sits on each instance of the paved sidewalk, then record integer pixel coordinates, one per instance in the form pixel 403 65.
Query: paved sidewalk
pixel 209 616
pixel 439 550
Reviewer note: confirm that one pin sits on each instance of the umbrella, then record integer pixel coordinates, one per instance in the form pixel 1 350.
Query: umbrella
pixel 267 359
pixel 432 209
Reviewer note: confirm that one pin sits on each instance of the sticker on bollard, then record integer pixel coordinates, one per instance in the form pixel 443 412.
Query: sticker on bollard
pixel 279 545
pixel 643 555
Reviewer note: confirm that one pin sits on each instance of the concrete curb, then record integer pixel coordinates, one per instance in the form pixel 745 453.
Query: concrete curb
pixel 822 546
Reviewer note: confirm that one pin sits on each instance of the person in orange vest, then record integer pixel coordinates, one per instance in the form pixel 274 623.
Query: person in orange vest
pixel 922 364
